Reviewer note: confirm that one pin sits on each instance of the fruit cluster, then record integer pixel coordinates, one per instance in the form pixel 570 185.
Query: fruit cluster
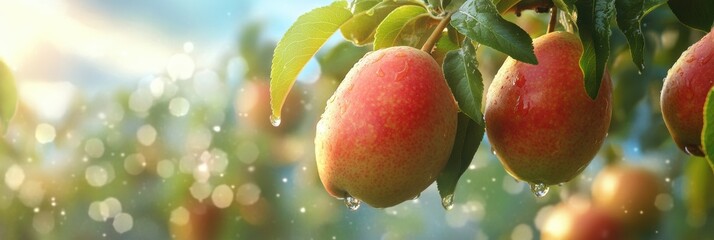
pixel 393 126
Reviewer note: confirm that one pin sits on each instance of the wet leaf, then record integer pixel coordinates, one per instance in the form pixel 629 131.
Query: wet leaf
pixel 361 28
pixel 708 130
pixel 405 26
pixel 468 139
pixel 594 24
pixel 697 14
pixel 359 6
pixel 8 99
pixel 298 45
pixel 480 21
pixel 629 17
pixel 465 80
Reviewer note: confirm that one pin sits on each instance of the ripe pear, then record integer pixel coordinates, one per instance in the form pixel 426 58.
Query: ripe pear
pixel 683 94
pixel 539 120
pixel 629 193
pixel 388 130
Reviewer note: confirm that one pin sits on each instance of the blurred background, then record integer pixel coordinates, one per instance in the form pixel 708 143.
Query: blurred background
pixel 149 120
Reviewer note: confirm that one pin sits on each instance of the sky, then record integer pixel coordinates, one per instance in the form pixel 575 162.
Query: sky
pixel 59 48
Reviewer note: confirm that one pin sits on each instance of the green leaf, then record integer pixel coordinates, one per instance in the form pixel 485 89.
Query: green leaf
pixel 468 138
pixel 298 45
pixel 594 24
pixel 708 129
pixel 650 5
pixel 443 47
pixel 568 8
pixel 337 61
pixel 360 29
pixel 359 6
pixel 697 190
pixel 8 91
pixel 697 14
pixel 503 5
pixel 629 17
pixel 465 80
pixel 405 26
pixel 480 21
pixel 453 5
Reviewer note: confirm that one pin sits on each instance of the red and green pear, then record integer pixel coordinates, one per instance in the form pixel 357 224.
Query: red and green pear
pixel 683 94
pixel 388 130
pixel 540 122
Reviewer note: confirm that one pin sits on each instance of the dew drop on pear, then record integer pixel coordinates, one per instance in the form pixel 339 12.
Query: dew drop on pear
pixel 352 203
pixel 539 189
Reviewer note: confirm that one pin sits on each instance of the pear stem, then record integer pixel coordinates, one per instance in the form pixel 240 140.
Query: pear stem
pixel 434 37
pixel 553 19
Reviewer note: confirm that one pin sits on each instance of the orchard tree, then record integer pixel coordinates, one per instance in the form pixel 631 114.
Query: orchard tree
pixel 411 112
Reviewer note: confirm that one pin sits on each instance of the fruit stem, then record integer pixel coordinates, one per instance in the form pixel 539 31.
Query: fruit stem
pixel 553 19
pixel 434 37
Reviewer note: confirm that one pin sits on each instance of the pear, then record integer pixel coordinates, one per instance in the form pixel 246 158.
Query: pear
pixel 388 130
pixel 540 122
pixel 683 94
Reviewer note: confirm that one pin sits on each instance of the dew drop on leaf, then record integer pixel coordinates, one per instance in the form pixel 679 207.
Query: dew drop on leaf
pixel 448 201
pixel 352 203
pixel 370 12
pixel 539 189
pixel 275 121
pixel 693 150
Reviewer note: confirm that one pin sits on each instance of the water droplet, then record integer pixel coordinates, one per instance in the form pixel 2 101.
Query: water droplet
pixel 380 73
pixel 417 196
pixel 352 203
pixel 520 81
pixel 539 189
pixel 448 201
pixel 275 120
pixel 401 75
pixel 370 12
pixel 689 59
pixel 694 150
pixel 522 105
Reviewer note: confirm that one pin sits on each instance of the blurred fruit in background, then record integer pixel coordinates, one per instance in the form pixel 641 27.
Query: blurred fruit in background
pixel 576 218
pixel 629 194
